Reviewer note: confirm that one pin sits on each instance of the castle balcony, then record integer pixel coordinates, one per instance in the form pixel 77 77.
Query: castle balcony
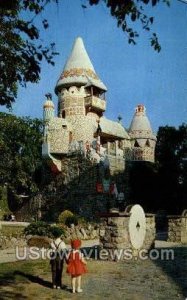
pixel 112 149
pixel 95 102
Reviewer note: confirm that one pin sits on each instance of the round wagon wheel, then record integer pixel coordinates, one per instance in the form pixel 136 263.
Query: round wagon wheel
pixel 137 226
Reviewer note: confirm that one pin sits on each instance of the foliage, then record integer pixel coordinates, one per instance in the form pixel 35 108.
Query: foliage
pixel 21 49
pixel 82 220
pixel 64 215
pixel 126 12
pixel 41 228
pixel 4 209
pixel 163 185
pixel 71 220
pixel 38 228
pixel 57 231
pixel 143 184
pixel 171 151
pixel 20 153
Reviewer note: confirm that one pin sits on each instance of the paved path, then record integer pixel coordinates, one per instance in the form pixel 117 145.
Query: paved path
pixel 10 255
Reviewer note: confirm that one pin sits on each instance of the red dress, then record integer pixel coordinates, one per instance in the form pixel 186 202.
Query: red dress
pixel 75 266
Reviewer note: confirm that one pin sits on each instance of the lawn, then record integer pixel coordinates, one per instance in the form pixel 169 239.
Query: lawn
pixel 129 280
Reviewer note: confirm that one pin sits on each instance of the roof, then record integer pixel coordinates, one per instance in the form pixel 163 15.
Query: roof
pixel 48 104
pixel 79 69
pixel 113 128
pixel 140 126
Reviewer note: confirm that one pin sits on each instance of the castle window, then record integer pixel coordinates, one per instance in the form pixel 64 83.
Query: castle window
pixel 147 143
pixel 70 137
pixel 64 126
pixel 136 144
pixel 63 114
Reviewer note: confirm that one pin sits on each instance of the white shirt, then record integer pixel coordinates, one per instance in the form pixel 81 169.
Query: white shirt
pixel 58 244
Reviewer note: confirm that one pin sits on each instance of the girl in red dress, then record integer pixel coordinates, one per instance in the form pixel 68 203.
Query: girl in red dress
pixel 76 265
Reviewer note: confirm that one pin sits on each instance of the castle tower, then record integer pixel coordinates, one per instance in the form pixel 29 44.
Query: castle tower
pixel 143 140
pixel 81 99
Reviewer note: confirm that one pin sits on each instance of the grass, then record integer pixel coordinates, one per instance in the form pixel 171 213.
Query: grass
pixel 12 230
pixel 129 280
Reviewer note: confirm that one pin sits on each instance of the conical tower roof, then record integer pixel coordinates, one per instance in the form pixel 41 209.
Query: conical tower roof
pixel 140 126
pixel 78 69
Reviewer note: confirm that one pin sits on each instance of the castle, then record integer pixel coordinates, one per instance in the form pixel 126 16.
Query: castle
pixel 81 125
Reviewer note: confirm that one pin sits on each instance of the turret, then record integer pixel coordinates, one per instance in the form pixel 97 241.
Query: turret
pixel 143 140
pixel 48 108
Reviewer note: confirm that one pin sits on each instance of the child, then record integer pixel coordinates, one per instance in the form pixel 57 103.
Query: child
pixel 76 265
pixel 57 260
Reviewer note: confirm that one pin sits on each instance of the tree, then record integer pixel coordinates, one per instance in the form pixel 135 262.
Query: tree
pixel 143 183
pixel 20 154
pixel 171 149
pixel 163 185
pixel 21 50
pixel 126 12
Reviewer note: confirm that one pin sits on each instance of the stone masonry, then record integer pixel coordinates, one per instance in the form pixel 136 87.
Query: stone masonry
pixel 177 229
pixel 114 232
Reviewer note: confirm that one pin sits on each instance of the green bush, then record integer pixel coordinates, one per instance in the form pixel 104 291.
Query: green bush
pixel 43 229
pixel 57 231
pixel 82 220
pixel 38 228
pixel 71 220
pixel 64 215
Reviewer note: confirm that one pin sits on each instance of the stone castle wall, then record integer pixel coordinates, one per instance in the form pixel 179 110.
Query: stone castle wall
pixel 114 232
pixel 177 229
pixel 81 175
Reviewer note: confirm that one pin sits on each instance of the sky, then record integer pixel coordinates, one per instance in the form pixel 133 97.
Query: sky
pixel 133 74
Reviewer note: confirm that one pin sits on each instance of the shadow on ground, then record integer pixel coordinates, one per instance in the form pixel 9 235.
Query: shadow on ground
pixel 176 267
pixel 34 279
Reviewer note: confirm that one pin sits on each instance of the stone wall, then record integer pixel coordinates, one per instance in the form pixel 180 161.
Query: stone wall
pixel 80 176
pixel 12 235
pixel 177 229
pixel 114 232
pixel 150 231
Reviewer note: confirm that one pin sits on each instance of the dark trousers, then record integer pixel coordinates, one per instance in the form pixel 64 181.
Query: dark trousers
pixel 56 269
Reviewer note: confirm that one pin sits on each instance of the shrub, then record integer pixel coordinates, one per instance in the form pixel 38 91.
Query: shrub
pixel 64 215
pixel 57 231
pixel 38 228
pixel 71 220
pixel 44 229
pixel 82 221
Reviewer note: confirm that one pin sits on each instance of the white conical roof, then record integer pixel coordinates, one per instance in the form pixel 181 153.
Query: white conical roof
pixel 79 69
pixel 140 126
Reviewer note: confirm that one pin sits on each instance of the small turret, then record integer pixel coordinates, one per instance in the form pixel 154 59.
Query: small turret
pixel 142 138
pixel 48 108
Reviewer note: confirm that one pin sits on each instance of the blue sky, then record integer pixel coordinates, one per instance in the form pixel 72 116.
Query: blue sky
pixel 132 74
